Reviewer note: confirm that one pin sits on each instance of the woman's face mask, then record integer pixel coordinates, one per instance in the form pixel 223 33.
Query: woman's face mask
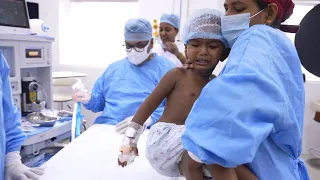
pixel 138 57
pixel 232 26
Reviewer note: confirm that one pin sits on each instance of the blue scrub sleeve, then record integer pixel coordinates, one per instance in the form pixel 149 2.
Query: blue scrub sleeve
pixel 11 116
pixel 233 115
pixel 97 101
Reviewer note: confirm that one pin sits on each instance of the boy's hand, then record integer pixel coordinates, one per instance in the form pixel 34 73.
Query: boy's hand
pixel 127 155
pixel 188 65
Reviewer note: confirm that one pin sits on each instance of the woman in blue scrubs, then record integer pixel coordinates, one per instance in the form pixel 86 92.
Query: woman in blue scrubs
pixel 253 112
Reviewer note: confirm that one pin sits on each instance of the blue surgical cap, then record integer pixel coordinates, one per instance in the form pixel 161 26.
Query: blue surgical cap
pixel 203 24
pixel 171 19
pixel 137 30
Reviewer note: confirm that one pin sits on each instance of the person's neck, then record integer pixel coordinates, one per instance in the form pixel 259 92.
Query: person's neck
pixel 205 74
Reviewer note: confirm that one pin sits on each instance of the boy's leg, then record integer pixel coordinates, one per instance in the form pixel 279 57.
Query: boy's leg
pixel 191 169
pixel 244 173
pixel 221 173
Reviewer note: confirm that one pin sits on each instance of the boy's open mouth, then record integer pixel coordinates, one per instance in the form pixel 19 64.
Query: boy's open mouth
pixel 202 62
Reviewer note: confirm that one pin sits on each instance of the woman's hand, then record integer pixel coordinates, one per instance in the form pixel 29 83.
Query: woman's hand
pixel 172 48
pixel 188 65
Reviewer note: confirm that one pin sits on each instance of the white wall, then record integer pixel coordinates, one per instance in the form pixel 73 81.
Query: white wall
pixel 150 9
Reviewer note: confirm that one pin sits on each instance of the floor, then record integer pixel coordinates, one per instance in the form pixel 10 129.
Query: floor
pixel 313 165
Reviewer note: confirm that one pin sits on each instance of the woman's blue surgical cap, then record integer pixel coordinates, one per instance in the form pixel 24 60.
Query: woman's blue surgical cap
pixel 138 30
pixel 203 24
pixel 171 19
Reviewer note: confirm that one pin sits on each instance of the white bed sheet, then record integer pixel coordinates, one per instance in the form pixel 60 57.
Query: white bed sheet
pixel 93 156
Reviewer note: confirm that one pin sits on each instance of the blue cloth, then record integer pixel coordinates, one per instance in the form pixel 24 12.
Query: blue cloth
pixel 172 19
pixel 123 87
pixel 11 135
pixel 137 30
pixel 253 112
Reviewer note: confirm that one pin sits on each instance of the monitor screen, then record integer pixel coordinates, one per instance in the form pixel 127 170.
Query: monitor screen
pixel 13 13
pixel 33 9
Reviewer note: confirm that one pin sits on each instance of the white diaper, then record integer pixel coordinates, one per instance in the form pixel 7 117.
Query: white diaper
pixel 164 149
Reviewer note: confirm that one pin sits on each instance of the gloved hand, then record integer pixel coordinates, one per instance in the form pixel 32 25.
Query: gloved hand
pixel 122 126
pixel 80 93
pixel 15 170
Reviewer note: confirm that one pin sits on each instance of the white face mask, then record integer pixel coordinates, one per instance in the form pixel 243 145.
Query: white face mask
pixel 232 26
pixel 137 58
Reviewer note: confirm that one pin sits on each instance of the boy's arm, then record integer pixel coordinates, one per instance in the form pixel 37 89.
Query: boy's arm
pixel 128 148
pixel 163 89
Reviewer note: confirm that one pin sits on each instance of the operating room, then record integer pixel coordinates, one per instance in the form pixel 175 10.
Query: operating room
pixel 68 57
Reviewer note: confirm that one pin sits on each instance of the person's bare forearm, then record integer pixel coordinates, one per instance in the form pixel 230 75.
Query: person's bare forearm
pixel 244 173
pixel 181 57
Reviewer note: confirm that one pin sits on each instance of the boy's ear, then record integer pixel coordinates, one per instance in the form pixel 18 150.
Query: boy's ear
pixel 225 54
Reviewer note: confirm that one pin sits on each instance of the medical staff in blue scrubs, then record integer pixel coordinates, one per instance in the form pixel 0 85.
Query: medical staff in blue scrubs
pixel 126 83
pixel 253 112
pixel 11 135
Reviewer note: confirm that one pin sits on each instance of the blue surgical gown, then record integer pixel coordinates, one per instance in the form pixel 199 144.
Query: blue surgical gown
pixel 252 113
pixel 123 87
pixel 11 135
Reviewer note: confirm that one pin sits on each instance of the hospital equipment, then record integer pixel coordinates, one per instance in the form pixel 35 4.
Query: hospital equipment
pixel 94 155
pixel 30 101
pixel 32 56
pixel 38 27
pixel 42 118
pixel 19 24
pixel 76 121
pixel 63 90
pixel 67 74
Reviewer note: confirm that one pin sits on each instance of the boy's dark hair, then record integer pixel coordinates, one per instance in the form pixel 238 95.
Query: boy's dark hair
pixel 276 23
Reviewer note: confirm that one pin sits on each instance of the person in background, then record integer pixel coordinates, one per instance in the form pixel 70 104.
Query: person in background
pixel 126 83
pixel 253 112
pixel 11 135
pixel 169 47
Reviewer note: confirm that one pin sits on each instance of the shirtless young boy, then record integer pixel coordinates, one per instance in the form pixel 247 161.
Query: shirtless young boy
pixel 205 47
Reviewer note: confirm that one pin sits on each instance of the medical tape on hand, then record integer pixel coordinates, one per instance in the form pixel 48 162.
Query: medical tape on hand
pixel 132 134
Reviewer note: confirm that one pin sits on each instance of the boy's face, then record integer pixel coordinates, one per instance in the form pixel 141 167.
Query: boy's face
pixel 205 54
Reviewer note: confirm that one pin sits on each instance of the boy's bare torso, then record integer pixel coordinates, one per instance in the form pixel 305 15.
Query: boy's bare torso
pixel 187 89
